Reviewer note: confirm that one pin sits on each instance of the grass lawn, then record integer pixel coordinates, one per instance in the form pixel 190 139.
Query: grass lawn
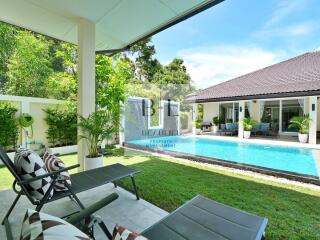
pixel 293 212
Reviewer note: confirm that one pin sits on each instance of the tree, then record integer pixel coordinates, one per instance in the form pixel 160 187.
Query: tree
pixel 29 66
pixel 174 81
pixel 112 74
pixel 62 84
pixel 7 46
pixel 146 64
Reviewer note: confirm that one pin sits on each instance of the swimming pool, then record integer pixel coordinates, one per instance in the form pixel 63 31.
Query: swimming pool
pixel 288 159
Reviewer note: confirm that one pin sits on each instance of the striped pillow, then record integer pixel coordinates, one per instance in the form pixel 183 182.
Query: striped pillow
pixel 121 233
pixel 53 163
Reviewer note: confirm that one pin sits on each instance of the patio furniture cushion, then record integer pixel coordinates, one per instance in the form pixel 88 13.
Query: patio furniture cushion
pixel 121 233
pixel 29 164
pixel 38 226
pixel 53 163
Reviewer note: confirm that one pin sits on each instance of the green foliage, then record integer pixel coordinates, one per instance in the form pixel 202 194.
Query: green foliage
pixel 184 117
pixel 301 123
pixel 215 120
pixel 200 112
pixel 29 67
pixel 8 126
pixel 95 128
pixel 145 63
pixel 62 125
pixel 112 74
pixel 198 123
pixel 248 123
pixel 7 46
pixel 62 85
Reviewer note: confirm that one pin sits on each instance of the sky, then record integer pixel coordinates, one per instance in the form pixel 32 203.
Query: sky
pixel 239 36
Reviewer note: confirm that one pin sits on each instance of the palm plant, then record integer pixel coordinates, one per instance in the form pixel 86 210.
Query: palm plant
pixel 248 123
pixel 98 126
pixel 301 123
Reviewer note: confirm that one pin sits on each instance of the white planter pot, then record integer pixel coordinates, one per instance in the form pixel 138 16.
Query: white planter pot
pixel 198 131
pixel 214 129
pixel 92 163
pixel 246 134
pixel 303 138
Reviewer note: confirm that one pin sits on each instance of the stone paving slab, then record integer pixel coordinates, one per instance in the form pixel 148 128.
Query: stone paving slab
pixel 126 210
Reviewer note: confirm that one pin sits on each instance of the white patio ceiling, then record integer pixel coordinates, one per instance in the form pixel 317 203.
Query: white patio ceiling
pixel 119 23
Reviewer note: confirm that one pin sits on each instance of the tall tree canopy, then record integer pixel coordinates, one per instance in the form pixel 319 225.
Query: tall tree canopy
pixel 29 67
pixel 7 46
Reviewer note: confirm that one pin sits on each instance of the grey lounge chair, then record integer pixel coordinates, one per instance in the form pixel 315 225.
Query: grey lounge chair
pixel 198 219
pixel 81 182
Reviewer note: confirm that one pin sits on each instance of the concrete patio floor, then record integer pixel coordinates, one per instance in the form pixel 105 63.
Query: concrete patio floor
pixel 126 210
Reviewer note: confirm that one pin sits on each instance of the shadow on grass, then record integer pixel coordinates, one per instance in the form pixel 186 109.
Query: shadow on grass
pixel 291 214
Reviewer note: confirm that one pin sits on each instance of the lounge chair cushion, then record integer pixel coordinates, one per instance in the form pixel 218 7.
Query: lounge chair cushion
pixel 53 163
pixel 121 233
pixel 29 165
pixel 43 226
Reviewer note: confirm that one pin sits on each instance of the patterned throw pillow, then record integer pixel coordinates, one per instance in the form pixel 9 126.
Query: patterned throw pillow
pixel 53 163
pixel 30 165
pixel 121 233
pixel 41 226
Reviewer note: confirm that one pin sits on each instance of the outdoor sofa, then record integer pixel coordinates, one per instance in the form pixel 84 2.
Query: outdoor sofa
pixel 261 128
pixel 229 129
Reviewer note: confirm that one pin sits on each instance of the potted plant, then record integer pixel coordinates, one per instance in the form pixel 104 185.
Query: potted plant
pixel 302 124
pixel 247 126
pixel 215 126
pixel 94 129
pixel 198 125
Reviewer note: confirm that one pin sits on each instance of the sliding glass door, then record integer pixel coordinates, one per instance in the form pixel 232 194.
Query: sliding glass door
pixel 290 109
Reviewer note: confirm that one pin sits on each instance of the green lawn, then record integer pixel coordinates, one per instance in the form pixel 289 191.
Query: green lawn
pixel 293 212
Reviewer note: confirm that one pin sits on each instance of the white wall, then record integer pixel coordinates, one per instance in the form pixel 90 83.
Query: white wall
pixel 210 110
pixel 33 106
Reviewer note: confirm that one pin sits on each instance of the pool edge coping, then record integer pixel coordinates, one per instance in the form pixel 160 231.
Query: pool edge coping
pixel 247 167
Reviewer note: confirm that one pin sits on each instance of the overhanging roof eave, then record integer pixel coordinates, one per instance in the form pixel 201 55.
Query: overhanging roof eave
pixel 253 97
pixel 161 28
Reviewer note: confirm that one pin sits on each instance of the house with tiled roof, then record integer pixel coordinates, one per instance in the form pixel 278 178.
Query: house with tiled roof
pixel 270 95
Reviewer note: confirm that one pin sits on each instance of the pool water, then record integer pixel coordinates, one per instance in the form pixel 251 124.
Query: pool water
pixel 290 159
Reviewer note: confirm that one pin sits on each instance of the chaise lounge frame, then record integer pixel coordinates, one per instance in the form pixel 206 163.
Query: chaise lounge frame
pixel 82 181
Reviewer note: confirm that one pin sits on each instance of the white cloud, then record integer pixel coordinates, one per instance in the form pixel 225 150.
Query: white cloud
pixel 284 9
pixel 210 66
pixel 293 30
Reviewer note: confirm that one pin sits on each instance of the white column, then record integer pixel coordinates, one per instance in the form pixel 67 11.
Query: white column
pixel 241 116
pixel 86 81
pixel 122 125
pixel 313 117
pixel 280 116
pixel 25 108
pixel 194 117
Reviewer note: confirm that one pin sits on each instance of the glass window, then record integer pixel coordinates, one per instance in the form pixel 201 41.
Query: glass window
pixel 270 113
pixel 226 112
pixel 290 109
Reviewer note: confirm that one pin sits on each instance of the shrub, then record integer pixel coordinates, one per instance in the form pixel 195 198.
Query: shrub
pixel 8 126
pixel 248 123
pixel 62 125
pixel 215 120
pixel 184 120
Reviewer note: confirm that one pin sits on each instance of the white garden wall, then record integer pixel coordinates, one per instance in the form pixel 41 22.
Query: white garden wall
pixel 34 107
